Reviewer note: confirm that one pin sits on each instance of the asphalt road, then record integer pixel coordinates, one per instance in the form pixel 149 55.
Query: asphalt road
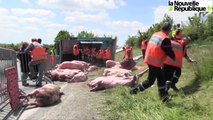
pixel 78 103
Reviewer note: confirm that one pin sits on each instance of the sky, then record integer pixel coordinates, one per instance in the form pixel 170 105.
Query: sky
pixel 22 20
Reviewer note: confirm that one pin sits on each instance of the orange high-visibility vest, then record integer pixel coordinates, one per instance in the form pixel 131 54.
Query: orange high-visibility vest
pixel 75 50
pixel 93 52
pixel 86 50
pixel 107 54
pixel 128 49
pixel 39 53
pixel 179 53
pixel 154 55
pixel 52 59
pixel 183 46
pixel 101 54
pixel 179 36
pixel 143 44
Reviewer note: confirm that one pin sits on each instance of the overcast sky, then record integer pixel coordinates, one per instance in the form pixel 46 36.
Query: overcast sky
pixel 22 20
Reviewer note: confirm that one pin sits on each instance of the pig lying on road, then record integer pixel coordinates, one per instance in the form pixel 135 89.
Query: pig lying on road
pixel 111 63
pixel 107 82
pixel 81 65
pixel 44 96
pixel 101 83
pixel 69 75
pixel 119 72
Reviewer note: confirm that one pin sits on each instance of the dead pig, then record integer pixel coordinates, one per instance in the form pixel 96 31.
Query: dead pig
pixel 107 82
pixel 44 96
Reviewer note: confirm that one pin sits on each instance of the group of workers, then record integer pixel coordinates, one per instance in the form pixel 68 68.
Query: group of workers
pixel 92 55
pixel 164 57
pixel 33 59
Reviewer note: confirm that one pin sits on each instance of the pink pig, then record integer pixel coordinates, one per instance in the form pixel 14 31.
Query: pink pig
pixel 44 96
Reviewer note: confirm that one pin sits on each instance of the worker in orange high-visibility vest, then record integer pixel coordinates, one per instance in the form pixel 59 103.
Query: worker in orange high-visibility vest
pixel 107 55
pixel 93 54
pixel 127 52
pixel 158 48
pixel 76 51
pixel 178 35
pixel 39 58
pixel 86 52
pixel 172 69
pixel 143 46
pixel 100 56
pixel 128 62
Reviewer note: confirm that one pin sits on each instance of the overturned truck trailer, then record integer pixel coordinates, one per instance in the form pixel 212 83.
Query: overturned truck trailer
pixel 65 47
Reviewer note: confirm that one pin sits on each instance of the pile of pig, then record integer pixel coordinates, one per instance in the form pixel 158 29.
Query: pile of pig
pixel 114 76
pixel 71 71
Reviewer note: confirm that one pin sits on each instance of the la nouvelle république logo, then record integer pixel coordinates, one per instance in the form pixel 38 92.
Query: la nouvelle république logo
pixel 190 5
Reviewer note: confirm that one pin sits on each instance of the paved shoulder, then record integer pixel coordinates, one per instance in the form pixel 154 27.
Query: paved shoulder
pixel 78 103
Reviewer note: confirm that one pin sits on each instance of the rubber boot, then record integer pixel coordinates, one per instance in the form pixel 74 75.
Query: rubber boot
pixel 164 96
pixel 136 89
pixel 173 86
pixel 168 85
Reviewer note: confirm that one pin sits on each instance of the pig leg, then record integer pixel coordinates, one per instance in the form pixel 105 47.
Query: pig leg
pixel 23 96
pixel 93 83
pixel 30 104
pixel 33 93
pixel 97 86
pixel 90 85
pixel 106 73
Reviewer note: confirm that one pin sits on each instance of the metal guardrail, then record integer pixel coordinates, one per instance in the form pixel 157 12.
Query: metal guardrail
pixel 118 50
pixel 7 59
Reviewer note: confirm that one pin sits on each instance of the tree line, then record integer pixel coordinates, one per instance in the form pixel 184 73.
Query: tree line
pixel 199 27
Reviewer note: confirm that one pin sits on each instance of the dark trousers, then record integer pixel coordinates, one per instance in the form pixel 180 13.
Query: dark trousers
pixel 41 64
pixel 171 73
pixel 100 62
pixel 93 60
pixel 154 72
pixel 76 57
pixel 143 52
pixel 86 58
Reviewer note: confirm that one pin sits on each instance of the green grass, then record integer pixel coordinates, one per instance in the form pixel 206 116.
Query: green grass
pixel 194 102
